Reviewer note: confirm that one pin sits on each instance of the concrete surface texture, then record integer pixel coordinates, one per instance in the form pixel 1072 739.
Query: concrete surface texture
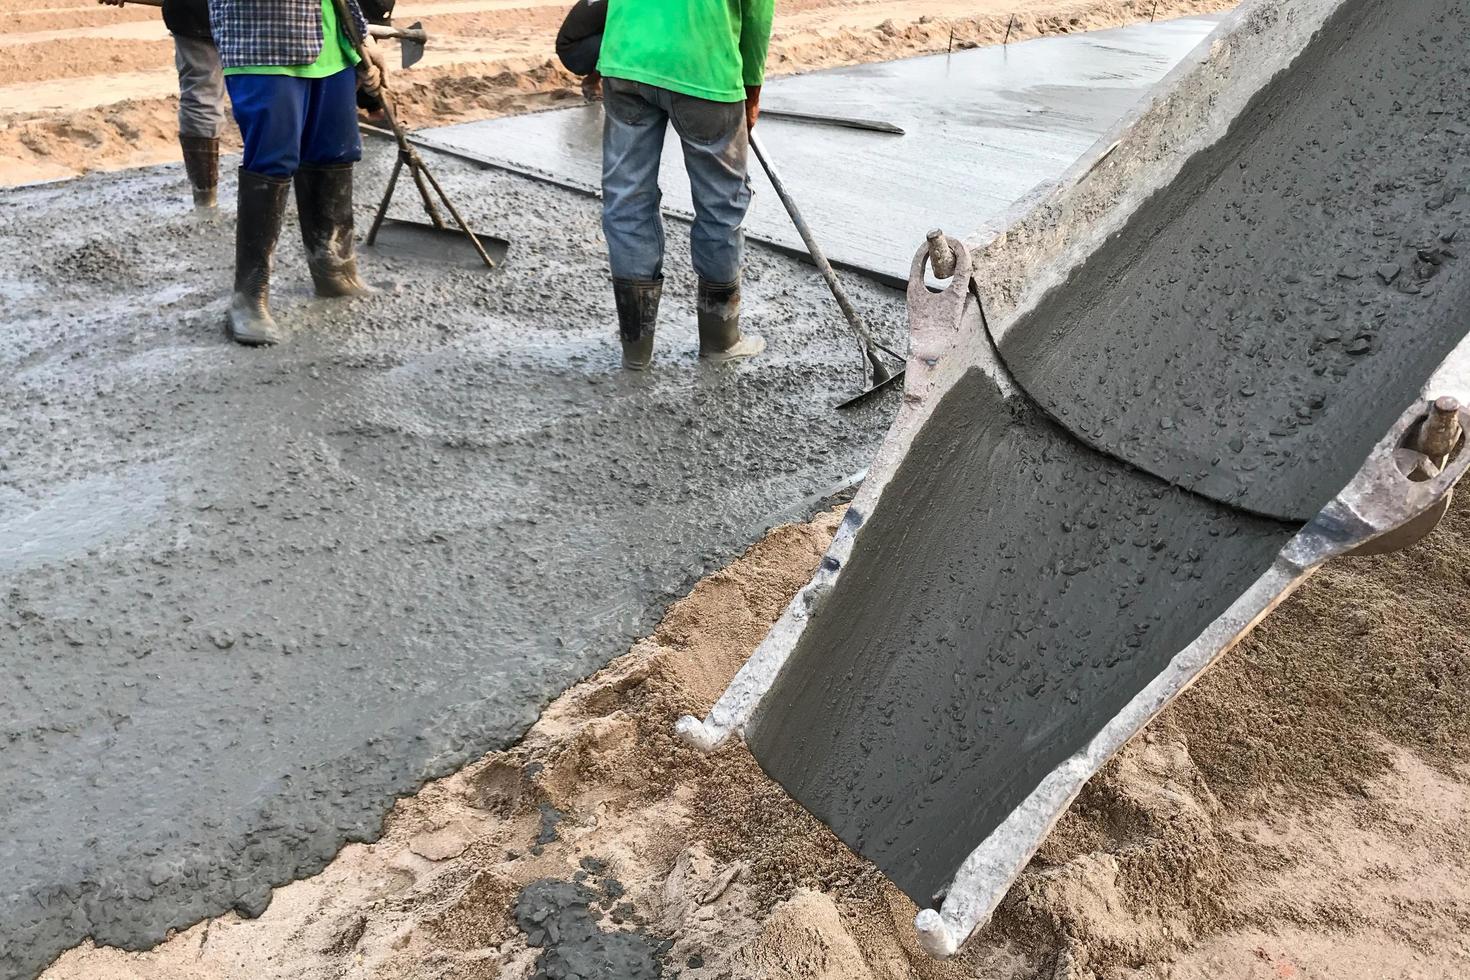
pixel 1262 320
pixel 983 127
pixel 908 714
pixel 252 595
pixel 1013 590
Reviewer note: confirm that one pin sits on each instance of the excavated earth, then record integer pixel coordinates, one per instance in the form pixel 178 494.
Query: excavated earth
pixel 251 596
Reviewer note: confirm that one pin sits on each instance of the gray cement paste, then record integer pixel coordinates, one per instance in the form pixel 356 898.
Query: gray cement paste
pixel 563 920
pixel 1261 321
pixel 1014 589
pixel 1016 116
pixel 250 596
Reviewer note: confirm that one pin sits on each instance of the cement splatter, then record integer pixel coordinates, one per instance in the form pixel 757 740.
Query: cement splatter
pixel 558 917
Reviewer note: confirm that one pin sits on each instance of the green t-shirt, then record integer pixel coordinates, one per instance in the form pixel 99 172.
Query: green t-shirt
pixel 337 53
pixel 710 49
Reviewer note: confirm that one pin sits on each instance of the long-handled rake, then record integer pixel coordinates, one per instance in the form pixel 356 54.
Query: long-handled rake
pixel 882 374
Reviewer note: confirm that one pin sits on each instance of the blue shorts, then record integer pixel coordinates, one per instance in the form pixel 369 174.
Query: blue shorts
pixel 287 121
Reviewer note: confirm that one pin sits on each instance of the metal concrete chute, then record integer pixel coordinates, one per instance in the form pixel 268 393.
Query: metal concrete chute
pixel 1091 494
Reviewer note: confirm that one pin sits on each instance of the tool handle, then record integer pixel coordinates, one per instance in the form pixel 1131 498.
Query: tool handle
pixel 415 34
pixel 854 319
pixel 349 27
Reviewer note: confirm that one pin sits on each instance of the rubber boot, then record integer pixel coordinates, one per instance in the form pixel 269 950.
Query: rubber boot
pixel 324 203
pixel 637 301
pixel 720 338
pixel 201 163
pixel 257 228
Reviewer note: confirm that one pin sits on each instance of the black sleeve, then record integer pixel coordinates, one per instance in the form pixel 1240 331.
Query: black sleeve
pixel 586 18
pixel 579 41
pixel 377 11
pixel 187 18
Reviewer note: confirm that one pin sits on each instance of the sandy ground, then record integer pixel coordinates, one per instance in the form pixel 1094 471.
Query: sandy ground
pixel 1302 813
pixel 84 87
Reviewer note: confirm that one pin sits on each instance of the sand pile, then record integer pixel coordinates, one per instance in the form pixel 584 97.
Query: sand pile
pixel 1303 812
pixel 79 57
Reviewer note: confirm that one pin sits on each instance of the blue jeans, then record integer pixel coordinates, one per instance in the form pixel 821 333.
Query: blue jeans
pixel 286 121
pixel 716 156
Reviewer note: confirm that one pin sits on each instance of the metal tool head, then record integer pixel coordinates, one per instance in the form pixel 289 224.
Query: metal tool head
pixel 411 40
pixel 411 44
pixel 423 242
pixel 882 378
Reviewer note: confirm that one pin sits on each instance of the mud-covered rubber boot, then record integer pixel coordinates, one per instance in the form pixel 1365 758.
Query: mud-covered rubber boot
pixel 324 204
pixel 257 229
pixel 720 338
pixel 637 302
pixel 201 163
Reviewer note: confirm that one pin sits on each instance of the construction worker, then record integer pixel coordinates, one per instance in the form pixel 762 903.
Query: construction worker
pixel 698 64
pixel 293 72
pixel 201 93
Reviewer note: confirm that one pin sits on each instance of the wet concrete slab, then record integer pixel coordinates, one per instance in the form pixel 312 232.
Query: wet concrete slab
pixel 250 596
pixel 982 128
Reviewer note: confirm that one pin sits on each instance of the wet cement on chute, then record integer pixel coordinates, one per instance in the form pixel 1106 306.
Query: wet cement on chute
pixel 1250 334
pixel 1014 589
pixel 1261 321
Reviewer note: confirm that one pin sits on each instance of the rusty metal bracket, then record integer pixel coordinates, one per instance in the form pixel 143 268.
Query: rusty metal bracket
pixel 935 316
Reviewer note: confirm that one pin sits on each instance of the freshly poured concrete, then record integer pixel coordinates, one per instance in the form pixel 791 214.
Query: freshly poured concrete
pixel 984 127
pixel 1261 322
pixel 250 595
pixel 1012 588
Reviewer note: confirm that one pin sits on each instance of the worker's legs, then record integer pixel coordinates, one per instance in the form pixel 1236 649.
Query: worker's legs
pixel 271 113
pixel 329 129
pixel 716 156
pixel 330 144
pixel 201 114
pixel 632 144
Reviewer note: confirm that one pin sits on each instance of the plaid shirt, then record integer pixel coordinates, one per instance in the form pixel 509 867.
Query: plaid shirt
pixel 251 33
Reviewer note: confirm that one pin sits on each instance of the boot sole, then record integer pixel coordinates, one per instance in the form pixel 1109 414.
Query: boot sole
pixel 747 347
pixel 251 341
pixel 336 290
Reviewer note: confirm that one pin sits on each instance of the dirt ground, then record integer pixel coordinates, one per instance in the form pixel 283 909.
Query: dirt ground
pixel 85 87
pixel 1303 812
